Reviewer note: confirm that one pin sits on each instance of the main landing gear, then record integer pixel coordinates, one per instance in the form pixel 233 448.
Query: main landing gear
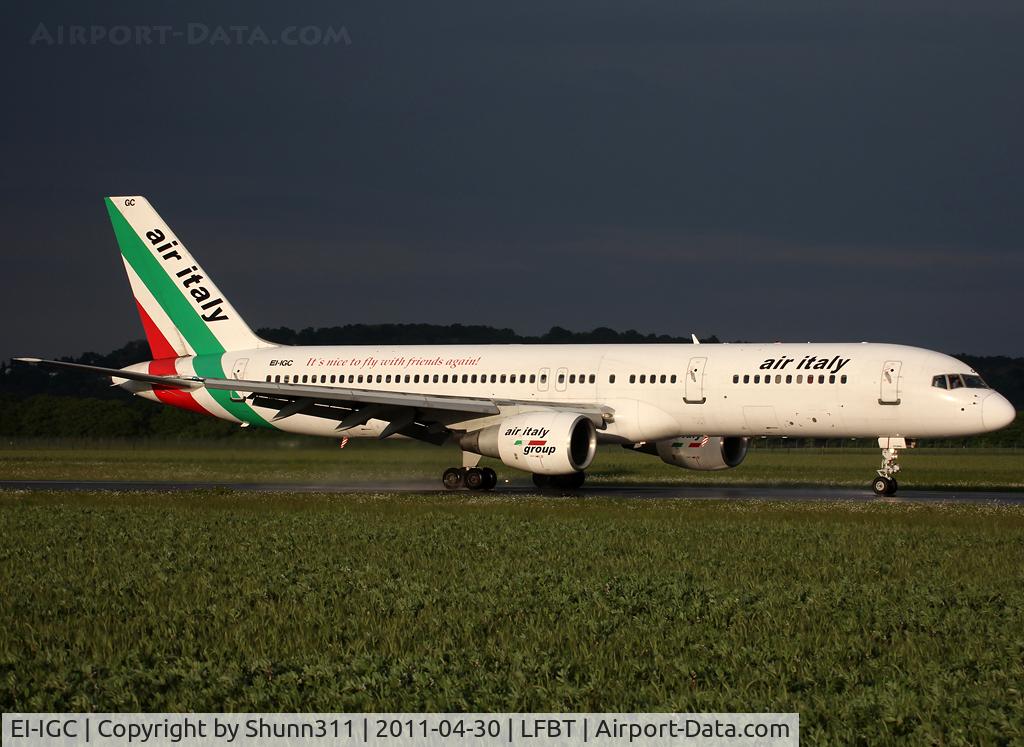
pixel 474 478
pixel 885 483
pixel 572 481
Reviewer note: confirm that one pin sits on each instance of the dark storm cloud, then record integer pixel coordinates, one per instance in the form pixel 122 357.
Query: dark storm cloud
pixel 808 171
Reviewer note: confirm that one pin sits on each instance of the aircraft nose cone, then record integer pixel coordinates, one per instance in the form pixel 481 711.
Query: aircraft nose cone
pixel 997 412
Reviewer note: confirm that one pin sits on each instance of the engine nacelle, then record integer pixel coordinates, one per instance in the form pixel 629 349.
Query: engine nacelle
pixel 703 452
pixel 545 443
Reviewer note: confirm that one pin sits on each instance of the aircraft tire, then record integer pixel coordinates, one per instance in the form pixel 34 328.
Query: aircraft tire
pixel 452 478
pixel 574 481
pixel 490 478
pixel 475 479
pixel 883 486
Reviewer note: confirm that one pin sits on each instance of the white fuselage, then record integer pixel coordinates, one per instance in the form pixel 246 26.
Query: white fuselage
pixel 655 391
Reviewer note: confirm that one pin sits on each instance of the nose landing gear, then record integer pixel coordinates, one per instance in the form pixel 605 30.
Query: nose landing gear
pixel 885 483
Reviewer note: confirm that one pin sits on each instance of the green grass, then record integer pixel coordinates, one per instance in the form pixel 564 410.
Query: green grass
pixel 878 622
pixel 369 461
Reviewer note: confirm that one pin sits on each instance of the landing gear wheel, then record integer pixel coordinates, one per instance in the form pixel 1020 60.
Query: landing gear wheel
pixel 490 478
pixel 475 479
pixel 541 481
pixel 884 486
pixel 572 482
pixel 452 478
pixel 885 483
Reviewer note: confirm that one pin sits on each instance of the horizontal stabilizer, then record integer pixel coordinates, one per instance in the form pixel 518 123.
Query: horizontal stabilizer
pixel 174 382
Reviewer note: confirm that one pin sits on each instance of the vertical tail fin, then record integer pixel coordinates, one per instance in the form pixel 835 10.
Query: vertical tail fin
pixel 182 311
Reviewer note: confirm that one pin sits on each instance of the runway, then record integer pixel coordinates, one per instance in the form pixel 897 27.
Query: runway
pixel 647 492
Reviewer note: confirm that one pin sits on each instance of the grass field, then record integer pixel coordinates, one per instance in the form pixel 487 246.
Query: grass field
pixel 366 461
pixel 878 622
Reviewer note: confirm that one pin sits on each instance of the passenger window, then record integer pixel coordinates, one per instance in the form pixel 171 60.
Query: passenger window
pixel 778 378
pixel 842 379
pixel 757 378
pixel 268 377
pixel 592 378
pixel 643 378
pixel 543 378
pixel 789 378
pixel 533 378
pixel 810 378
pixel 323 378
pixel 611 378
pixel 735 378
pixel 332 378
pixel 821 378
pixel 673 379
pixel 435 378
pixel 572 378
pixel 561 378
pixel 512 379
pixel 663 378
pixel 767 378
pixel 351 378
pixel 387 379
pixel 501 379
pixel 360 378
pixel 277 379
pixel 416 379
pixel 473 379
pixel 832 379
pixel 652 378
pixel 444 379
pixel 632 378
pixel 746 378
pixel 286 378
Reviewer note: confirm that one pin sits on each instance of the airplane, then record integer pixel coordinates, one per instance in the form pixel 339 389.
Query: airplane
pixel 542 409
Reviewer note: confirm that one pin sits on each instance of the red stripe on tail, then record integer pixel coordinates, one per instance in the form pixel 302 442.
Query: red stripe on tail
pixel 158 344
pixel 173 397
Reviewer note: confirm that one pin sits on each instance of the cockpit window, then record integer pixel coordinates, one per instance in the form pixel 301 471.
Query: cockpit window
pixel 956 381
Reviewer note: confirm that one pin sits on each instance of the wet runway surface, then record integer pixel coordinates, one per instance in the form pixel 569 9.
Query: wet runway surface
pixel 651 492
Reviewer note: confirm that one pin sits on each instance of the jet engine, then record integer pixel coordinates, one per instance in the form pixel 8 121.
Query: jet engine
pixel 545 443
pixel 700 452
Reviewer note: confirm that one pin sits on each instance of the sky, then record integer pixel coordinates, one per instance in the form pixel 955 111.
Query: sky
pixel 796 171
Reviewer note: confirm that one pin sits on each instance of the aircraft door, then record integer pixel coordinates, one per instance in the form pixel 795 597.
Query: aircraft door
pixel 695 382
pixel 560 378
pixel 890 388
pixel 238 372
pixel 542 379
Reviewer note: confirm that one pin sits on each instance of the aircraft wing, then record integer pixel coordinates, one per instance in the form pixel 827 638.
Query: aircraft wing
pixel 422 416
